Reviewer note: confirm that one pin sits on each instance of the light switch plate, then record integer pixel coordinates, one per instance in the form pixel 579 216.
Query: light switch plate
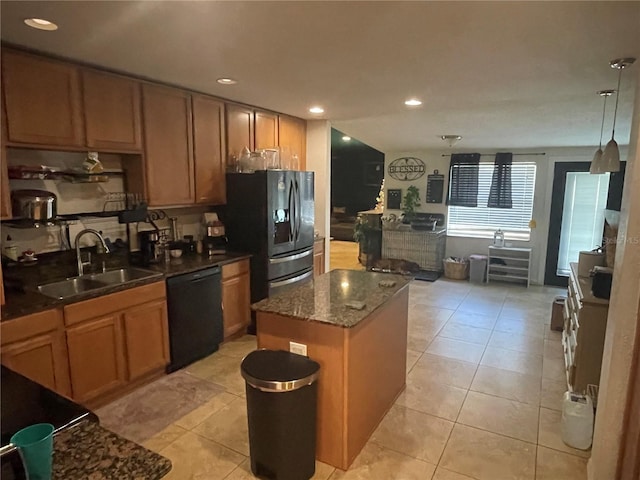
pixel 299 348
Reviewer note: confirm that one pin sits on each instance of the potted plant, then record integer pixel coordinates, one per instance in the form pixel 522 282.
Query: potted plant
pixel 366 232
pixel 410 201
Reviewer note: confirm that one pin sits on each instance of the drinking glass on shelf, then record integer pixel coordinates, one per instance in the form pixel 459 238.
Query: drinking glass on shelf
pixel 285 157
pixel 233 166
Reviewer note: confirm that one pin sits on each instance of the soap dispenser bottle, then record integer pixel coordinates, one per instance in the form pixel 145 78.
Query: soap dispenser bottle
pixel 498 238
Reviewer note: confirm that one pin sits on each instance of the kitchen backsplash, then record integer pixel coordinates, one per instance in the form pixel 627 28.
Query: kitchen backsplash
pixel 76 198
pixel 48 239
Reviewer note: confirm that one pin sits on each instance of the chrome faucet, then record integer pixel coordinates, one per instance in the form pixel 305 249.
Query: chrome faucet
pixel 78 256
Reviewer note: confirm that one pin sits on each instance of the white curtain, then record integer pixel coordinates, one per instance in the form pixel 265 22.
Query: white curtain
pixel 585 199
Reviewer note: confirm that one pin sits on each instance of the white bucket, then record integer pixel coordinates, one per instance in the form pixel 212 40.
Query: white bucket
pixel 577 420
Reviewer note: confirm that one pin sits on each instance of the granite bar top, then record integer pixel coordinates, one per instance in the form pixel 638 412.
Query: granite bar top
pixel 89 451
pixel 325 298
pixel 24 299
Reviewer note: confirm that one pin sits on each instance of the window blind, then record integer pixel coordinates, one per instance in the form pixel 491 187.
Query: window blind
pixel 500 191
pixel 463 179
pixel 585 199
pixel 482 221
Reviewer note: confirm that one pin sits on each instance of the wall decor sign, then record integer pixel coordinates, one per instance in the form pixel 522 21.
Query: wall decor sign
pixel 435 187
pixel 394 198
pixel 407 168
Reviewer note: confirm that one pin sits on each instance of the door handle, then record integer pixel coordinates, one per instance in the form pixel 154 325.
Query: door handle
pixel 291 210
pixel 298 210
pixel 289 258
pixel 289 281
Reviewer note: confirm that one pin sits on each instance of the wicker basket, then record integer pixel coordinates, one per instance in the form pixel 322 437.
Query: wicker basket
pixel 456 270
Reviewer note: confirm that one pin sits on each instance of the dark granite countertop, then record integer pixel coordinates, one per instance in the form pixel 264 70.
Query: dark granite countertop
pixel 325 298
pixel 23 298
pixel 192 263
pixel 88 450
pixel 82 448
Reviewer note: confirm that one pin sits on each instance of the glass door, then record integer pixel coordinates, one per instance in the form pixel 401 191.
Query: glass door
pixel 585 200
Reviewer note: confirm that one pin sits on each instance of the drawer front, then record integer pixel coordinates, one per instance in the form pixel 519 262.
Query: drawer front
pixel 234 269
pixel 575 325
pixel 30 325
pixel 569 350
pixel 96 307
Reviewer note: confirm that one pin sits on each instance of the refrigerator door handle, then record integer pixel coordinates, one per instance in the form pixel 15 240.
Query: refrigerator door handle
pixel 296 256
pixel 289 281
pixel 291 212
pixel 298 211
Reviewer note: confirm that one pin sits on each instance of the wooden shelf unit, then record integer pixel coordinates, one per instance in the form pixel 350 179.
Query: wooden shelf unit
pixel 585 325
pixel 516 267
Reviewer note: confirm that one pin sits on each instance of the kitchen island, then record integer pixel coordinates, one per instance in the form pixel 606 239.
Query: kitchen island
pixel 361 352
pixel 82 449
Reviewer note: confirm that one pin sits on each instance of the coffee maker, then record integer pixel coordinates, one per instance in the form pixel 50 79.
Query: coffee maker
pixel 215 239
pixel 150 248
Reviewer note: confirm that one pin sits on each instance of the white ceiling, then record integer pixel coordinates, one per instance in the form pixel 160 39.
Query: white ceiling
pixel 501 74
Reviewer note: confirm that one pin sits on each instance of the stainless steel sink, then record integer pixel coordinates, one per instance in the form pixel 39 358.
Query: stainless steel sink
pixel 122 275
pixel 92 282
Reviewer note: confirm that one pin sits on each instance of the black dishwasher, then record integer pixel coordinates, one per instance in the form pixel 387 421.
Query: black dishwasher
pixel 194 301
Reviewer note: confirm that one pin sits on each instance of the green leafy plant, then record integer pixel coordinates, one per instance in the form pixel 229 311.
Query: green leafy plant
pixel 410 201
pixel 360 229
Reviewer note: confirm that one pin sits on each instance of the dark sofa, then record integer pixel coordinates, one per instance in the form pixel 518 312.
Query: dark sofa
pixel 342 224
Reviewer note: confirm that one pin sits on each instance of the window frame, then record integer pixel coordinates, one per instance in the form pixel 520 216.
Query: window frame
pixel 520 233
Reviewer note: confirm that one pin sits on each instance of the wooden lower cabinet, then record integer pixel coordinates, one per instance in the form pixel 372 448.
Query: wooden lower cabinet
pixel 96 358
pixel 146 338
pixel 318 257
pixel 115 340
pixel 34 346
pixel 236 297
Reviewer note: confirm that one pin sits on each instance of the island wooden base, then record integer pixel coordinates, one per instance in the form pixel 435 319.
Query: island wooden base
pixel 362 372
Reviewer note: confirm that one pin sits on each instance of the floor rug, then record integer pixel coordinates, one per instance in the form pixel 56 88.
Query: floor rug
pixel 144 412
pixel 427 275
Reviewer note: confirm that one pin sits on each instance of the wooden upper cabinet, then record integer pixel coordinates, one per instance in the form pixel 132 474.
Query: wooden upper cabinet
pixel 266 130
pixel 240 129
pixel 111 112
pixel 168 146
pixel 1 287
pixel 293 134
pixel 5 196
pixel 42 99
pixel 208 150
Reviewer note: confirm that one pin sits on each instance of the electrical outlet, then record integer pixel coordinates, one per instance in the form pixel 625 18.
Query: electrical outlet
pixel 299 348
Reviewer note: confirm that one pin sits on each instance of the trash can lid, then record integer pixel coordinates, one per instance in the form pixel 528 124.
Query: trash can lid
pixel 278 370
pixel 477 256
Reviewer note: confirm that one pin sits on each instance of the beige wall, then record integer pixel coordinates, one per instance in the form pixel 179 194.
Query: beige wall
pixel 622 323
pixel 319 162
pixel 464 246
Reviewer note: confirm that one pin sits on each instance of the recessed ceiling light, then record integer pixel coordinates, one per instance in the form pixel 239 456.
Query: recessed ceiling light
pixel 346 138
pixel 316 110
pixel 412 102
pixel 41 24
pixel 227 81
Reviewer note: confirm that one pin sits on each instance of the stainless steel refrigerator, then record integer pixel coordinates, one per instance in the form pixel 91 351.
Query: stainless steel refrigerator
pixel 269 214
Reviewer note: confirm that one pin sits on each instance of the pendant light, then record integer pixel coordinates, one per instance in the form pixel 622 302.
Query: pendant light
pixel 597 165
pixel 611 154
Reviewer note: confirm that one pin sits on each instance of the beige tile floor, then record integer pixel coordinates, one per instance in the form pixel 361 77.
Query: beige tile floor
pixel 482 400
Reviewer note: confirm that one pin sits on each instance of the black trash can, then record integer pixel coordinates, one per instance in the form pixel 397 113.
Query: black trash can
pixel 281 408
